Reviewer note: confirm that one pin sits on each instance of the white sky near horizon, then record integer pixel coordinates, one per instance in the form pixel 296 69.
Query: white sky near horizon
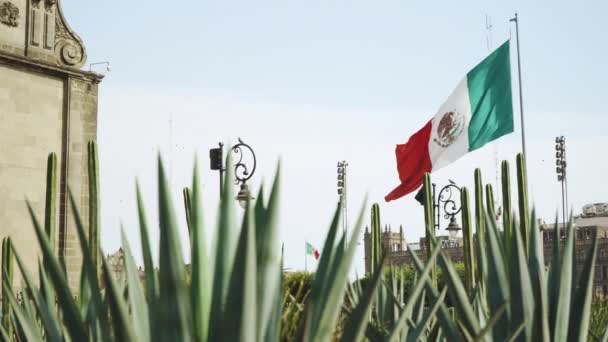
pixel 312 83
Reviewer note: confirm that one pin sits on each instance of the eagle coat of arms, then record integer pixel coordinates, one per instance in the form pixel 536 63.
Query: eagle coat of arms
pixel 449 128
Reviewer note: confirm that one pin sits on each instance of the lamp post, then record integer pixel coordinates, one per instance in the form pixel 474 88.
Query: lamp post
pixel 443 200
pixel 242 173
pixel 560 169
pixel 342 189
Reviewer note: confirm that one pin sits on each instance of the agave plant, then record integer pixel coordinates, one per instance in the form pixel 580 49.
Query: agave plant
pixel 235 293
pixel 236 287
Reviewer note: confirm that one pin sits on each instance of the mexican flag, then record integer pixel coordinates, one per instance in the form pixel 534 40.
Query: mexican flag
pixel 478 111
pixel 310 250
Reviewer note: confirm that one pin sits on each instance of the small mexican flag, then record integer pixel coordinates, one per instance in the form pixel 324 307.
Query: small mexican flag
pixel 310 250
pixel 478 111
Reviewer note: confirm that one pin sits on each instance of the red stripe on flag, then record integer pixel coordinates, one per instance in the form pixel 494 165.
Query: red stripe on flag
pixel 413 161
pixel 317 254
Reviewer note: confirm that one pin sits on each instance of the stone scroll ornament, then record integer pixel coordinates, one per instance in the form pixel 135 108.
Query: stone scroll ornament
pixel 69 49
pixel 9 14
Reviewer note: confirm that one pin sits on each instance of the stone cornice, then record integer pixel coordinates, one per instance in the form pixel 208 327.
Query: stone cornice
pixel 49 69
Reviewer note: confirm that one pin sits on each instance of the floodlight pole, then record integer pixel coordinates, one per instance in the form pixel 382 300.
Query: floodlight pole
pixel 342 191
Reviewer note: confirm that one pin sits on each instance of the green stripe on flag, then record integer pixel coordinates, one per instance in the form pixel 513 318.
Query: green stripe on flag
pixel 309 248
pixel 489 85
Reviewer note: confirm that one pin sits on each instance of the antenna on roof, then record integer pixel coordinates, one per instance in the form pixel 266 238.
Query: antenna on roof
pixel 489 32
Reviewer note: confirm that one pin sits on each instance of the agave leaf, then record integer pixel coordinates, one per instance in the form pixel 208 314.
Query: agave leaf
pixel 522 301
pixel 187 193
pixel 560 332
pixel 223 254
pixel 581 304
pixel 200 291
pixel 325 291
pixel 44 310
pixel 357 321
pixel 240 312
pixel 480 306
pixel 536 266
pixel 335 294
pixel 268 258
pixel 424 322
pixel 137 299
pixel 26 322
pixel 4 334
pixel 151 281
pixel 122 325
pixel 273 331
pixel 458 295
pixel 553 277
pixel 72 321
pixel 174 314
pixel 317 286
pixel 400 326
pixel 498 291
pixel 448 325
pixel 420 306
pixel 604 338
pixel 498 313
pixel 517 332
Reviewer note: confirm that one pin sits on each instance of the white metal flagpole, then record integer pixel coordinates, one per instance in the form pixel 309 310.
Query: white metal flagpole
pixel 521 101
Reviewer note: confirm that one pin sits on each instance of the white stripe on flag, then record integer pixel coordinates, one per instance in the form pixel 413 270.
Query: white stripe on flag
pixel 450 132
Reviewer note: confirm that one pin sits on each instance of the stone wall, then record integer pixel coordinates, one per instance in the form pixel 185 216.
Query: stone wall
pixel 47 104
pixel 44 109
pixel 31 115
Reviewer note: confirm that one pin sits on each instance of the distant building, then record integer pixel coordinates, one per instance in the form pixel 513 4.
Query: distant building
pixel 592 222
pixel 116 264
pixel 395 243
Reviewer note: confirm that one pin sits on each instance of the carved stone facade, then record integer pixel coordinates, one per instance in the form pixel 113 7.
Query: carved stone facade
pixel 9 14
pixel 47 104
pixel 38 30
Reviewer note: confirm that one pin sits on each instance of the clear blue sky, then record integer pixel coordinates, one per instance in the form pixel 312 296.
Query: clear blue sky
pixel 319 81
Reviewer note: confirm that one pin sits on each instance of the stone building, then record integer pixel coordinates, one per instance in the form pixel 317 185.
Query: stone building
pixel 47 104
pixel 586 228
pixel 118 270
pixel 398 248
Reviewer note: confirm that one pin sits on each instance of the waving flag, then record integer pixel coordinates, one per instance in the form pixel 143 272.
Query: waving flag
pixel 478 111
pixel 310 250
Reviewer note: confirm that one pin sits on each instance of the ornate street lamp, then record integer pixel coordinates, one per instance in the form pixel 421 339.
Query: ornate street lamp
pixel 242 173
pixel 449 205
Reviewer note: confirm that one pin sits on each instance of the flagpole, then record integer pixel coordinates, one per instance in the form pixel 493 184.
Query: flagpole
pixel 521 101
pixel 305 257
